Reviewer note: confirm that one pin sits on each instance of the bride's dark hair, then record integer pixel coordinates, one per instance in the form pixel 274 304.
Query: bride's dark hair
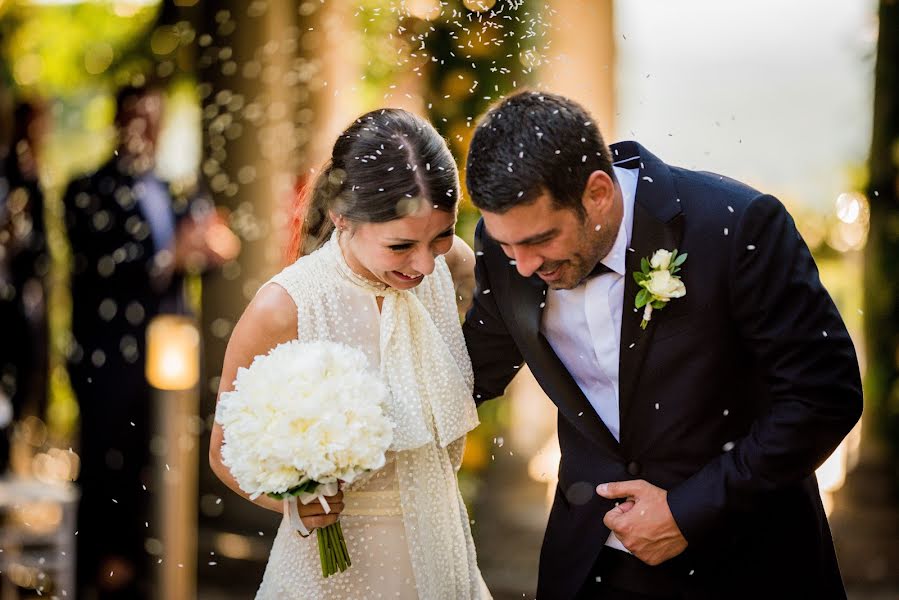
pixel 381 167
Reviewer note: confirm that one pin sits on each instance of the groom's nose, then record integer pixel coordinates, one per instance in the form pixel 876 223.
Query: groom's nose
pixel 526 261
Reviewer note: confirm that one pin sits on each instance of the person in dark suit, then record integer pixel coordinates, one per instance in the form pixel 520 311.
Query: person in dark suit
pixel 688 448
pixel 132 240
pixel 24 266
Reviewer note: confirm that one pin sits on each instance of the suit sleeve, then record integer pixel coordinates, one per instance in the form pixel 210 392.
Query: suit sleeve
pixel 489 343
pixel 791 326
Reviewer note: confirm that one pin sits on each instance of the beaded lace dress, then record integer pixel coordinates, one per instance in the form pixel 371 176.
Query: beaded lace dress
pixel 406 526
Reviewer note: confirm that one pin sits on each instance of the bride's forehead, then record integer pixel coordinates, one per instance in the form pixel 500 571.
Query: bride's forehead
pixel 419 226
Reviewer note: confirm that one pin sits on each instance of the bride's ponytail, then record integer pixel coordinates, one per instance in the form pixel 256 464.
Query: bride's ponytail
pixel 311 225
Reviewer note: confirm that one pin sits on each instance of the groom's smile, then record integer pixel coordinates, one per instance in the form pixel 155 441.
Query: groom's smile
pixel 551 272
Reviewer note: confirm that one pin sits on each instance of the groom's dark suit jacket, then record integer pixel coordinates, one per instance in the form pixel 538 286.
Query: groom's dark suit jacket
pixel 729 400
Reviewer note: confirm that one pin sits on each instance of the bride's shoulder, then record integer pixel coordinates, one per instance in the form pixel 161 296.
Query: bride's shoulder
pixel 460 260
pixel 271 317
pixel 304 276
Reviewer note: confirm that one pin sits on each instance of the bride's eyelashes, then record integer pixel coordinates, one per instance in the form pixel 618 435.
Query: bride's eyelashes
pixel 403 247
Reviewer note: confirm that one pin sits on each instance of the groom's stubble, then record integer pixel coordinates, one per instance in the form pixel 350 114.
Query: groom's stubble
pixel 592 242
pixel 592 246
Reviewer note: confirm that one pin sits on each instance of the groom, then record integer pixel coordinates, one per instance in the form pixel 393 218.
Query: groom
pixel 688 447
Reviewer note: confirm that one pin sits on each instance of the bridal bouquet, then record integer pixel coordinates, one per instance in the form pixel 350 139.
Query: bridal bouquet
pixel 301 419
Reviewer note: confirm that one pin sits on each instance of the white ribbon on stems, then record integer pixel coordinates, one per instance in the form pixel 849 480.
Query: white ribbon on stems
pixel 290 504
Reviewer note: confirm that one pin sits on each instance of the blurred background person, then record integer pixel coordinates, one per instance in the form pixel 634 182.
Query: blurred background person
pixel 24 263
pixel 133 240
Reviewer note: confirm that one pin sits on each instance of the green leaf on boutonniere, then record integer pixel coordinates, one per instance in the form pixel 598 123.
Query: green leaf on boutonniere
pixel 658 303
pixel 644 266
pixel 640 277
pixel 643 298
pixel 680 259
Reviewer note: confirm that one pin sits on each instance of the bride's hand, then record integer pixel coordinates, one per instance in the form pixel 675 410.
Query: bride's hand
pixel 314 516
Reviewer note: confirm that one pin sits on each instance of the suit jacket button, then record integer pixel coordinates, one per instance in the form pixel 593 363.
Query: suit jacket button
pixel 634 468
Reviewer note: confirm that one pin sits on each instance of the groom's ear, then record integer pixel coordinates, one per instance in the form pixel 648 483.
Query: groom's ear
pixel 599 193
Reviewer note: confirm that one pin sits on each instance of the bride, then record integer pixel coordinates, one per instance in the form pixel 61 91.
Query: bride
pixel 378 242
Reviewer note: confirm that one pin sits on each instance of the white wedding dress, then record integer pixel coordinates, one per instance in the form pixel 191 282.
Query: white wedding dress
pixel 406 526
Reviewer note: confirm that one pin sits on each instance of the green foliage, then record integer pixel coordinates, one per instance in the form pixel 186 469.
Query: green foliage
pixel 58 50
pixel 466 58
pixel 477 57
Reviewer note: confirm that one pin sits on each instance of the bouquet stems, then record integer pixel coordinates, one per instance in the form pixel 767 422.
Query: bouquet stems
pixel 332 550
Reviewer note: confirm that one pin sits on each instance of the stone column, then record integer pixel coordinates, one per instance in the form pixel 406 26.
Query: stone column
pixel 581 60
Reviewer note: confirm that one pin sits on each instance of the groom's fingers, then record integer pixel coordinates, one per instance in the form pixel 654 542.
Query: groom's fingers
pixel 621 489
pixel 613 518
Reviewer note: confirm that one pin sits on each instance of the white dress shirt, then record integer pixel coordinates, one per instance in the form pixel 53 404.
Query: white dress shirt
pixel 155 204
pixel 583 325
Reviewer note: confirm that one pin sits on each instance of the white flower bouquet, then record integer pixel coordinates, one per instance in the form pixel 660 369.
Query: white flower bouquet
pixel 301 419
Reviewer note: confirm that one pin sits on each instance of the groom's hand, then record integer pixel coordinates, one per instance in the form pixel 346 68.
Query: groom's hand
pixel 643 523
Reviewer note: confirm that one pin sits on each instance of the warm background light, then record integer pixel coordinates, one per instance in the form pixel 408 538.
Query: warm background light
pixel 173 346
pixel 423 9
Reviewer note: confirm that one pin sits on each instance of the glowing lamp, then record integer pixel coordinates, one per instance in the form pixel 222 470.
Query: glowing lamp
pixel 173 346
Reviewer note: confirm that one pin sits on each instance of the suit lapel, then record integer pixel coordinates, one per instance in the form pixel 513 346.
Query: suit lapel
pixel 548 369
pixel 658 224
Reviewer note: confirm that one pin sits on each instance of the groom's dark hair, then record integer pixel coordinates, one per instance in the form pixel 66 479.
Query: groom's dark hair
pixel 533 143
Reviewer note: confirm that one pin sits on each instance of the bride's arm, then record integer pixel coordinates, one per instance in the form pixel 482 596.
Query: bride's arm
pixel 269 320
pixel 460 260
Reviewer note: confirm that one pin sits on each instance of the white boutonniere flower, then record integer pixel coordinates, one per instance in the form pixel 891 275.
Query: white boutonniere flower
pixel 659 282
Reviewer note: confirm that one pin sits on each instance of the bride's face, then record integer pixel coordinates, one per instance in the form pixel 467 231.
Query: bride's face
pixel 399 252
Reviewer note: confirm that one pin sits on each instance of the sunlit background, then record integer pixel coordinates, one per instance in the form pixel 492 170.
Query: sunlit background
pixel 778 95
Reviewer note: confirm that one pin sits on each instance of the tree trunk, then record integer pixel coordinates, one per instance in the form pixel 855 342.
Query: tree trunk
pixel 882 252
pixel 255 89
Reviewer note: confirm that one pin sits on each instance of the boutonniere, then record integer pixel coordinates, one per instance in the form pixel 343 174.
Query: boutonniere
pixel 659 282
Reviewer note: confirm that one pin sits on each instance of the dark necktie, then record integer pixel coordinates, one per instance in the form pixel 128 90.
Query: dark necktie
pixel 599 269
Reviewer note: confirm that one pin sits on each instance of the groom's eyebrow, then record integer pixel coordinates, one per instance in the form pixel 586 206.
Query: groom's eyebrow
pixel 532 239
